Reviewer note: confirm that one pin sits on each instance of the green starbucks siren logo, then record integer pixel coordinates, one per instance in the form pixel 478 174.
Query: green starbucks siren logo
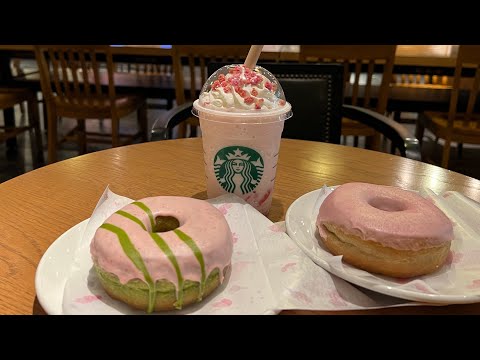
pixel 238 169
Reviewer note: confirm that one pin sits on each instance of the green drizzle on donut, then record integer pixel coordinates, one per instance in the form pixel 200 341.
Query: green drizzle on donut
pixel 171 257
pixel 198 254
pixel 133 254
pixel 136 258
pixel 147 210
pixel 131 217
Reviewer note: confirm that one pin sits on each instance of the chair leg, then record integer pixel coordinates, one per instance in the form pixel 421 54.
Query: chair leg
pixel 373 142
pixel 81 136
pixel 193 131
pixel 459 150
pixel 34 122
pixel 420 128
pixel 355 141
pixel 52 135
pixel 446 153
pixel 182 130
pixel 115 131
pixel 397 116
pixel 143 121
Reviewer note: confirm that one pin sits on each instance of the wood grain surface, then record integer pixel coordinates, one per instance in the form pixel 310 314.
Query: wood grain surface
pixel 37 207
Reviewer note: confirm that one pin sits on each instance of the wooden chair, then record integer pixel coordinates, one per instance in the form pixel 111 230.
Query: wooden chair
pixel 72 87
pixel 9 97
pixel 363 57
pixel 462 122
pixel 190 69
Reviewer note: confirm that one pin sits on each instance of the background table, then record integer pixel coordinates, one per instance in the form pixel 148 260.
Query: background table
pixel 37 207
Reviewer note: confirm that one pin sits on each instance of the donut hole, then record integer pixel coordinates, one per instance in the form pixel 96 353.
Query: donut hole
pixel 165 223
pixel 387 204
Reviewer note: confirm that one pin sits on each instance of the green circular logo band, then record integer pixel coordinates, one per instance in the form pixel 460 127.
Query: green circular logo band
pixel 238 169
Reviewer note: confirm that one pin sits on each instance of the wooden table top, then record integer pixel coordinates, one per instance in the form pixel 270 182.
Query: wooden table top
pixel 37 207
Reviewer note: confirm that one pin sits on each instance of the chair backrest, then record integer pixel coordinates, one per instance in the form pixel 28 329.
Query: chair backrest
pixel 315 92
pixel 196 58
pixel 74 74
pixel 358 59
pixel 468 57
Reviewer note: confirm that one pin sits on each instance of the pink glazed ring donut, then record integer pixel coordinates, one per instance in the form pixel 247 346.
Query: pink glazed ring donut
pixel 385 229
pixel 162 253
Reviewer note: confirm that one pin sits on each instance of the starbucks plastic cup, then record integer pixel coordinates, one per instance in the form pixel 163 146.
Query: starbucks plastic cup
pixel 241 133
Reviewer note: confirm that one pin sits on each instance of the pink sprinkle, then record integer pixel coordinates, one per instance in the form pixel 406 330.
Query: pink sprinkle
pixel 216 85
pixel 234 237
pixel 474 285
pixel 235 81
pixel 287 266
pixel 223 303
pixel 88 299
pixel 248 100
pixel 268 85
pixel 255 80
pixel 236 70
pixel 254 92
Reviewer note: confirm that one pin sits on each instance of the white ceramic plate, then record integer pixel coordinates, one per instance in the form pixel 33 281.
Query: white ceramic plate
pixel 300 223
pixel 54 267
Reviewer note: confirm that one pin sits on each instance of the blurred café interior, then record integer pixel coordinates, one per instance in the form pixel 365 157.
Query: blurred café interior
pixel 59 102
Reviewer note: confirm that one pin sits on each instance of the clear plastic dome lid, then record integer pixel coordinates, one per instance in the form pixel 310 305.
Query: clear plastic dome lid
pixel 236 88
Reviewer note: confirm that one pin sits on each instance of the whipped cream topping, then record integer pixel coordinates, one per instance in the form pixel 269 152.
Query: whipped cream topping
pixel 242 89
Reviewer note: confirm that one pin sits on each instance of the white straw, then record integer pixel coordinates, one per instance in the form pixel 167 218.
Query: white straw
pixel 253 56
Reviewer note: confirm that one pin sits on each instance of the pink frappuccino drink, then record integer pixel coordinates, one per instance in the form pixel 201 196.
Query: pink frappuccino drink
pixel 242 113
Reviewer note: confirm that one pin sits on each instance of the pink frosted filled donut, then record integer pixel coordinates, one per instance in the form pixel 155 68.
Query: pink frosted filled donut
pixel 161 253
pixel 385 229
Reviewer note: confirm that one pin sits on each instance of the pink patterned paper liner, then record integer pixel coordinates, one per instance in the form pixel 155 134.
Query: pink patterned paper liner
pixel 234 237
pixel 237 288
pixel 454 258
pixel 422 287
pixel 224 208
pixel 336 299
pixel 301 296
pixel 470 259
pixel 241 265
pixel 223 303
pixel 474 285
pixel 87 299
pixel 287 266
pixel 277 227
